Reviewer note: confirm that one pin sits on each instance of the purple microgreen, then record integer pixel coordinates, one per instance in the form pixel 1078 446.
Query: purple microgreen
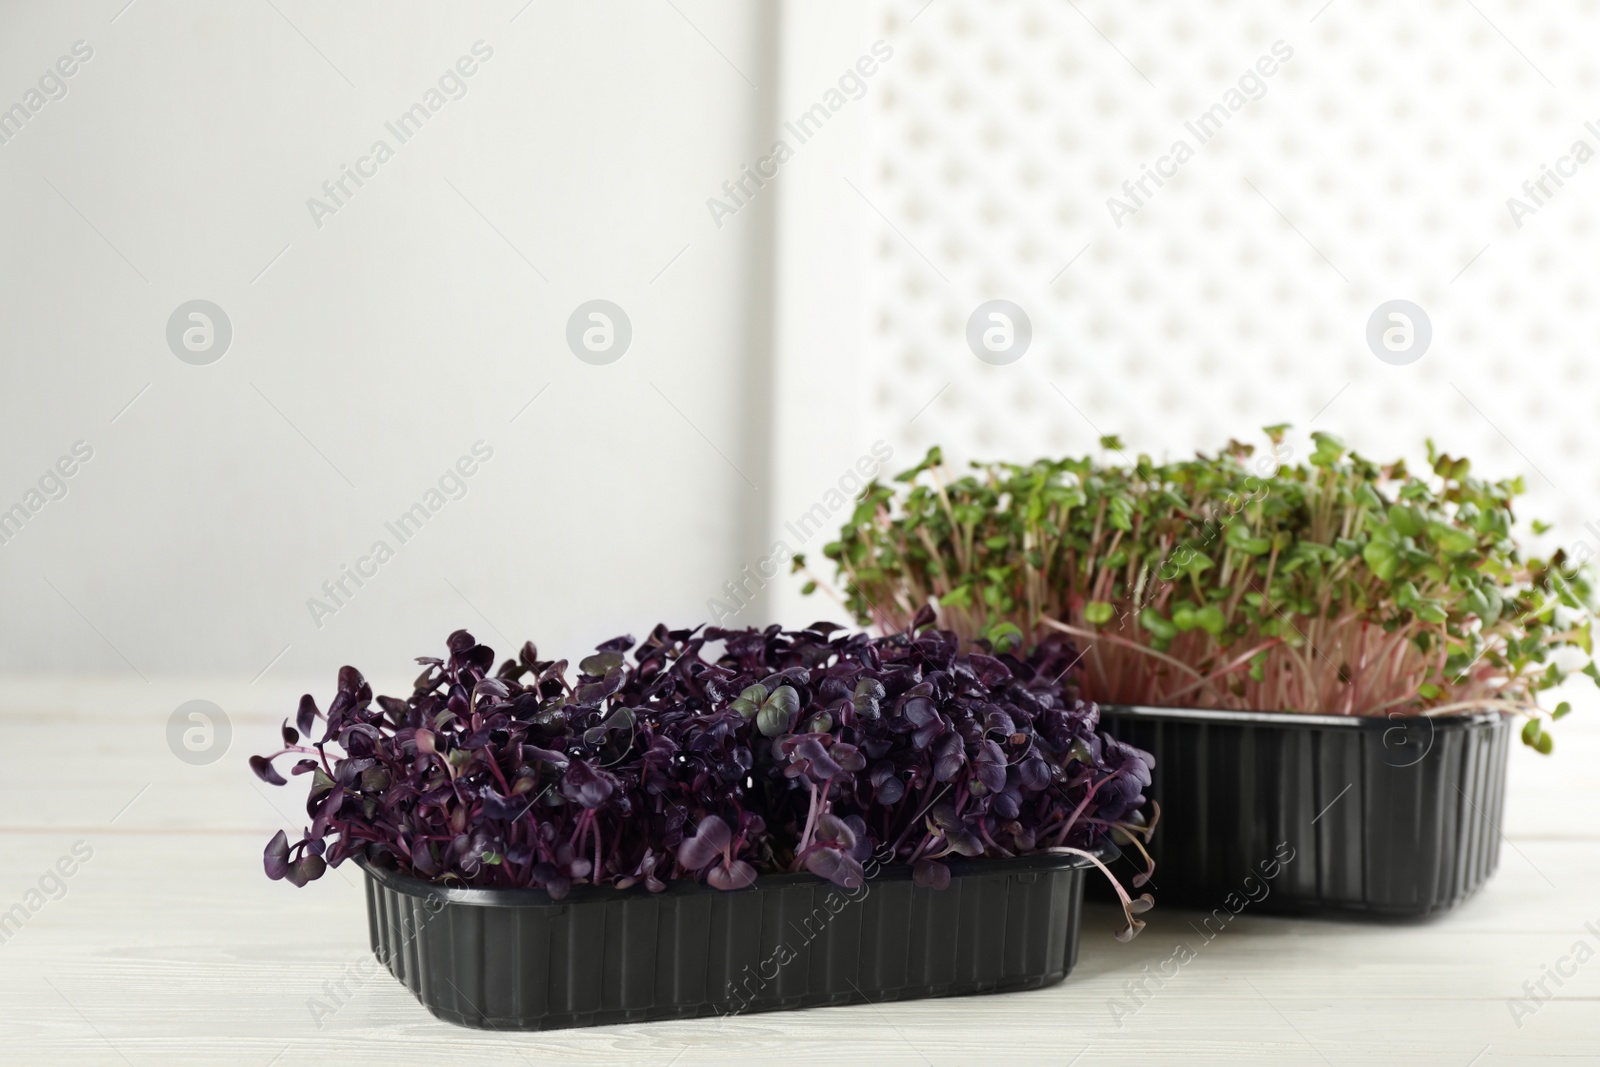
pixel 676 759
pixel 264 770
pixel 735 875
pixel 306 716
pixel 708 842
pixel 931 874
pixel 276 856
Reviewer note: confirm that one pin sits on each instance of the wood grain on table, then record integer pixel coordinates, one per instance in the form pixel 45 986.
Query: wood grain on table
pixel 168 945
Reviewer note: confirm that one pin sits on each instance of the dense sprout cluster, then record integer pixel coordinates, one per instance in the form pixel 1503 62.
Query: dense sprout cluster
pixel 713 754
pixel 1240 580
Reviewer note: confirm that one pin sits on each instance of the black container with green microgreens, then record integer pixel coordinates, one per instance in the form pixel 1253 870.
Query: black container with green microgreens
pixel 1327 654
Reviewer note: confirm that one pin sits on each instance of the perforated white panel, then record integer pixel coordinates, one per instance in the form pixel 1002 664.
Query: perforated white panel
pixel 1374 164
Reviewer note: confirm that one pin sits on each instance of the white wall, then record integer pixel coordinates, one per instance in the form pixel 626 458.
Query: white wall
pixel 377 348
pixel 772 352
pixel 819 424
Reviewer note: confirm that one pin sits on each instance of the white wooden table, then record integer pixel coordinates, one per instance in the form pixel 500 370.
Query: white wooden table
pixel 169 946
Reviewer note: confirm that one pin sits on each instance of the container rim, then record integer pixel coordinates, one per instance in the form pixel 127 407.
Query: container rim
pixel 1455 720
pixel 531 897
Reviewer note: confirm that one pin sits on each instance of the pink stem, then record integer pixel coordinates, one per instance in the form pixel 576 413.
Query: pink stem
pixel 1134 925
pixel 811 822
pixel 1062 834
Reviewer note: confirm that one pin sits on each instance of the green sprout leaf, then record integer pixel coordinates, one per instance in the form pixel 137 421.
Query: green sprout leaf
pixel 1004 636
pixel 778 711
pixel 1382 558
pixel 1275 582
pixel 1158 624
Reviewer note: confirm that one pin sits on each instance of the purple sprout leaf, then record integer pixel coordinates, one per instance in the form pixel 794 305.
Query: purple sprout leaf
pixel 920 712
pixel 866 697
pixel 1006 804
pixel 963 842
pixel 821 765
pixel 887 786
pixel 989 766
pixel 862 850
pixel 836 866
pixel 601 663
pixel 958 837
pixel 306 717
pixel 834 830
pixel 265 771
pixel 586 785
pixel 312 866
pixel 735 875
pixel 951 756
pixel 930 874
pixel 276 856
pixel 307 869
pixel 493 688
pixel 1034 774
pixel 507 809
pixel 320 783
pixel 848 757
pixel 944 817
pixel 991 672
pixel 594 692
pixel 710 839
pixel 545 755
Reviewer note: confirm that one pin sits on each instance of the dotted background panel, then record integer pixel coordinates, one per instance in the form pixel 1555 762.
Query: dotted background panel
pixel 1374 164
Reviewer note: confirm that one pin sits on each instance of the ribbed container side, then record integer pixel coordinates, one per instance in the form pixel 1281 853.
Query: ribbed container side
pixel 517 960
pixel 1319 814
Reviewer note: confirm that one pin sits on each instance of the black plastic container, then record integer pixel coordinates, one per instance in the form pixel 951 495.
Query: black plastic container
pixel 513 959
pixel 1383 817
